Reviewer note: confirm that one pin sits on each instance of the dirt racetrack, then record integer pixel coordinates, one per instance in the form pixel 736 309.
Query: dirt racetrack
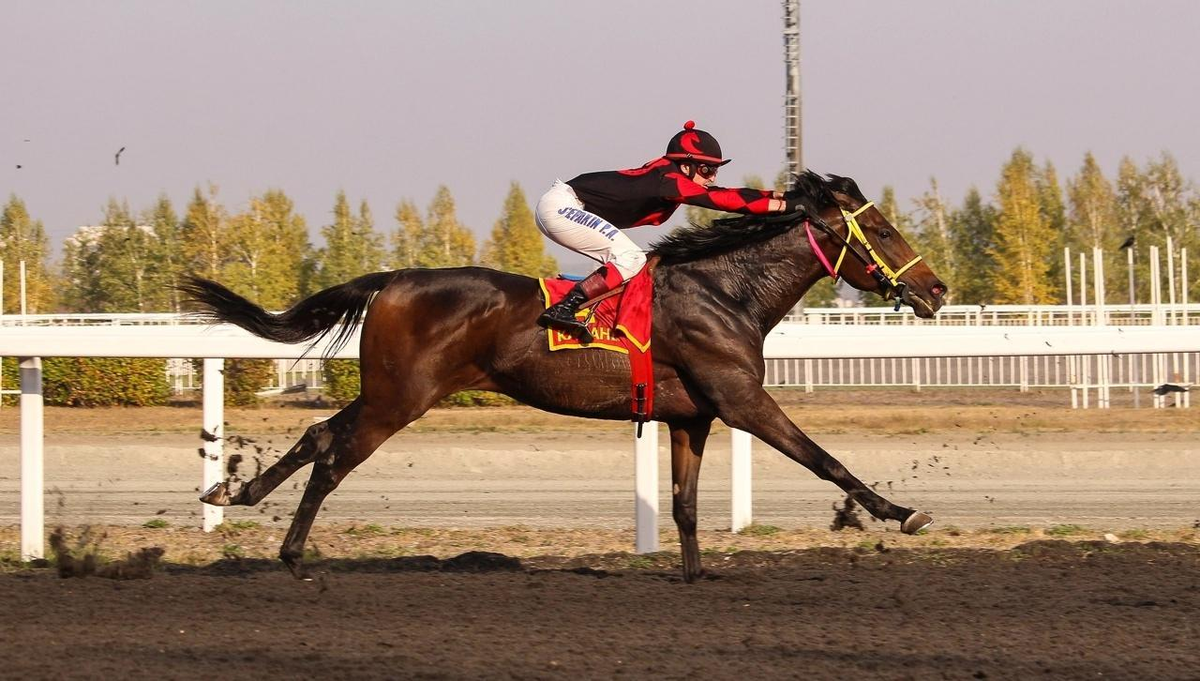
pixel 1046 609
pixel 1067 546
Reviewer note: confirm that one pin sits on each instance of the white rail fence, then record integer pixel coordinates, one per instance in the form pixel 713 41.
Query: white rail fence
pixel 794 342
pixel 1131 373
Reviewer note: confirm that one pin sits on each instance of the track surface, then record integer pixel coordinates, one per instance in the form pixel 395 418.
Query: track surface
pixel 1047 609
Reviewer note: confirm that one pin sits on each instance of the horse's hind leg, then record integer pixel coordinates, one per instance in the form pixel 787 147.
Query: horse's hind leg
pixel 687 450
pixel 349 446
pixel 317 439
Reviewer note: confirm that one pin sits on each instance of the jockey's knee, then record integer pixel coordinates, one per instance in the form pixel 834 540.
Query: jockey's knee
pixel 629 263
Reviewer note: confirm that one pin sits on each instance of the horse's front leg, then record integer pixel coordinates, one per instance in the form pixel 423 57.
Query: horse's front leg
pixel 687 451
pixel 743 403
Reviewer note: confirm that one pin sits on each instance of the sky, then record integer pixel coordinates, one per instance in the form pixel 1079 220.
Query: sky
pixel 387 100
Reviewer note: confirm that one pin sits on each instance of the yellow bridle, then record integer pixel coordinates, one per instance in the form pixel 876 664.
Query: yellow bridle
pixel 855 232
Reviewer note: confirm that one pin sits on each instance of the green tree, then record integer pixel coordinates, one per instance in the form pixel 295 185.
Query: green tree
pixel 1053 209
pixel 203 235
pixel 406 240
pixel 445 242
pixel 110 267
pixel 1092 221
pixel 24 239
pixel 165 276
pixel 516 245
pixel 973 240
pixel 352 246
pixel 1025 240
pixel 932 239
pixel 267 251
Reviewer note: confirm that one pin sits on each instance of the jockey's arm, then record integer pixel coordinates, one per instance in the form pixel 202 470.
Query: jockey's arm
pixel 732 200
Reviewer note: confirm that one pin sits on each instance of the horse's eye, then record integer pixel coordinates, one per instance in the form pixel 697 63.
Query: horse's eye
pixel 885 234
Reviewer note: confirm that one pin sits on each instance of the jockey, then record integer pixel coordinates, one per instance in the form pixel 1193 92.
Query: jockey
pixel 587 214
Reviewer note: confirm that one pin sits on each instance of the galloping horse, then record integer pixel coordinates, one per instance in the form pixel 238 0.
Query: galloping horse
pixel 717 293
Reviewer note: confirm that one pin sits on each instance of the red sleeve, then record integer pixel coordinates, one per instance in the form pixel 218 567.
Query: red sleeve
pixel 678 188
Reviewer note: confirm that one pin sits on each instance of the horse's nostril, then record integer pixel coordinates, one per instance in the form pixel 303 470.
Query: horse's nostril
pixel 938 290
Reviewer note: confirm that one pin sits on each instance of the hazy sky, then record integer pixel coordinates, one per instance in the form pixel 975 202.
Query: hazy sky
pixel 387 100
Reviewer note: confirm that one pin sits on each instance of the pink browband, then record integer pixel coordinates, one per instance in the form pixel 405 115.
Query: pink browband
pixel 812 241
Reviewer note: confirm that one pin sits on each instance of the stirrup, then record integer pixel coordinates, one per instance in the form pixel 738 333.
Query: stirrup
pixel 574 327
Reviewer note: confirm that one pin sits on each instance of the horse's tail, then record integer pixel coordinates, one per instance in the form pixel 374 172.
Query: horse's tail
pixel 310 319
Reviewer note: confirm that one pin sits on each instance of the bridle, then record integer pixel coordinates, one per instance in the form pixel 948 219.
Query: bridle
pixel 883 274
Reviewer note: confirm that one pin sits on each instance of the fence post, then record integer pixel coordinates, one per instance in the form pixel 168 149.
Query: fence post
pixel 214 425
pixel 740 479
pixel 32 458
pixel 645 455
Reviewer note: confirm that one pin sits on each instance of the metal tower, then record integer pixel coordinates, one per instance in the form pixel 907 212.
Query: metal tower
pixel 791 98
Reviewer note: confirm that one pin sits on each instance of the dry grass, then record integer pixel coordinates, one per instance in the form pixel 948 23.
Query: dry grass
pixel 895 411
pixel 190 546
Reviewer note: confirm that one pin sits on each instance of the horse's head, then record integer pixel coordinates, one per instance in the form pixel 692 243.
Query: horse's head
pixel 856 242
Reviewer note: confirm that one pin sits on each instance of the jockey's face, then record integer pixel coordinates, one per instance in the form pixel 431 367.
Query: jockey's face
pixel 702 174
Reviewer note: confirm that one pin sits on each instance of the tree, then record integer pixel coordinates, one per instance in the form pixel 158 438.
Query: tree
pixel 973 240
pixel 24 239
pixel 268 251
pixel 352 247
pixel 1025 240
pixel 406 240
pixel 1053 209
pixel 109 266
pixel 932 239
pixel 165 277
pixel 445 242
pixel 203 235
pixel 516 245
pixel 1092 221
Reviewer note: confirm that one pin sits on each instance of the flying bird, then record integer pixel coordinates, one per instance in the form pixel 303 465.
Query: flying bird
pixel 1128 242
pixel 118 156
pixel 1169 388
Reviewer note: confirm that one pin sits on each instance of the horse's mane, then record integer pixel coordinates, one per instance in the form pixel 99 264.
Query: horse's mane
pixel 727 234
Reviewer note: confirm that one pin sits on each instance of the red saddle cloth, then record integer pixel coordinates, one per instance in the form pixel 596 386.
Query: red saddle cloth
pixel 619 322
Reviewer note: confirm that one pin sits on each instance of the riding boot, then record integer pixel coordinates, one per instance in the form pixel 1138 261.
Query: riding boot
pixel 561 315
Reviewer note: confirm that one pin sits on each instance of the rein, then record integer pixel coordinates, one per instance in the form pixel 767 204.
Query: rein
pixel 876 267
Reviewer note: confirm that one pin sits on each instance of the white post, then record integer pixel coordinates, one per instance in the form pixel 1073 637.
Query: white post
pixel 740 479
pixel 646 488
pixel 1072 361
pixel 32 483
pixel 1085 370
pixel 23 292
pixel 214 425
pixel 1103 363
pixel 1183 289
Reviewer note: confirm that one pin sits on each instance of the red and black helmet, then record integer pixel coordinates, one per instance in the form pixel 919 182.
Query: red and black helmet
pixel 690 144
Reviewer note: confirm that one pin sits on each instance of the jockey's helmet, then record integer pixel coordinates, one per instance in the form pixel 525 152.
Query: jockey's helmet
pixel 691 144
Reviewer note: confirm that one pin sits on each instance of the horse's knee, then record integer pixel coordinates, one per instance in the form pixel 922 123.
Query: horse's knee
pixel 684 513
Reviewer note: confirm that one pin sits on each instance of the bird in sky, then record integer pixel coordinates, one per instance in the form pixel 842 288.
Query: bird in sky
pixel 1128 242
pixel 118 156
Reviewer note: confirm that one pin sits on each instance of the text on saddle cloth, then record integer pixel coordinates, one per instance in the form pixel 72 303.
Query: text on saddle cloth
pixel 620 323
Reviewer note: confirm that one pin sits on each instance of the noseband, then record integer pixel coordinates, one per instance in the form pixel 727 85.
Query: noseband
pixel 887 279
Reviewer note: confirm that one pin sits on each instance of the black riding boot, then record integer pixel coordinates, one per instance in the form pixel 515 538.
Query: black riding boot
pixel 561 315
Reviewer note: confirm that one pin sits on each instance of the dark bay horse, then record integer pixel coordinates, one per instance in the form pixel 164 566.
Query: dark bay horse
pixel 717 292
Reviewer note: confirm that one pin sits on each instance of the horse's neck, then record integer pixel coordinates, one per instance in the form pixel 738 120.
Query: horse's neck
pixel 767 279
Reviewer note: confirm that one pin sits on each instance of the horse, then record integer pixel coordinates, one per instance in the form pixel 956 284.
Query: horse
pixel 718 291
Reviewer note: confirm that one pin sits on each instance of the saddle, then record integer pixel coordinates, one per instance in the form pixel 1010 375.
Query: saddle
pixel 618 320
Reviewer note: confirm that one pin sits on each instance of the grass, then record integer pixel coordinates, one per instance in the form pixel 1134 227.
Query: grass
pixel 1008 529
pixel 155 524
pixel 1066 530
pixel 368 530
pixel 756 530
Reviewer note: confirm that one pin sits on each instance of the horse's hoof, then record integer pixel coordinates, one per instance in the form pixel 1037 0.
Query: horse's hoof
pixel 217 495
pixel 916 522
